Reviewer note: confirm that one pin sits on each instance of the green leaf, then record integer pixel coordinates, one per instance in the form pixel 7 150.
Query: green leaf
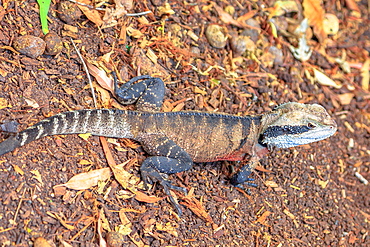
pixel 44 9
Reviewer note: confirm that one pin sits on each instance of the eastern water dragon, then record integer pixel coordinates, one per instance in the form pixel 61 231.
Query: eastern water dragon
pixel 174 140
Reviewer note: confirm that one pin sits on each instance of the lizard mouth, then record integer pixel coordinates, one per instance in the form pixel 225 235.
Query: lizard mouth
pixel 291 136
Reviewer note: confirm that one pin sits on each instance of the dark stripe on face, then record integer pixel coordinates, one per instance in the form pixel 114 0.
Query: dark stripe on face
pixel 275 131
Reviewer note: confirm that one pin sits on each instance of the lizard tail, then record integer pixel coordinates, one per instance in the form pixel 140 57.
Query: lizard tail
pixel 102 122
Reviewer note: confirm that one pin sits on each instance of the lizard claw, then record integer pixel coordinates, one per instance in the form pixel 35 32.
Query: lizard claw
pixel 167 186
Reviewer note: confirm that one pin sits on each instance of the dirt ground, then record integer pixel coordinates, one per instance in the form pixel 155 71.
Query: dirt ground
pixel 306 196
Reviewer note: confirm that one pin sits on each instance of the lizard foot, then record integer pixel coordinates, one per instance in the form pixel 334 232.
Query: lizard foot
pixel 149 178
pixel 242 178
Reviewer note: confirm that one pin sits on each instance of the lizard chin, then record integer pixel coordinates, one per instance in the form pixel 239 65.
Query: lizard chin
pixel 296 139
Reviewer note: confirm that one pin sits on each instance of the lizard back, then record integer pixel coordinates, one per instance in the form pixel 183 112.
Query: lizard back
pixel 205 136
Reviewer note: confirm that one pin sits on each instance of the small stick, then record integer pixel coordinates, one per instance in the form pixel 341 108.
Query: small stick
pixel 87 72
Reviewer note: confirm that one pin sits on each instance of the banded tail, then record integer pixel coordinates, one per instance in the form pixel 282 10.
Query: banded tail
pixel 101 122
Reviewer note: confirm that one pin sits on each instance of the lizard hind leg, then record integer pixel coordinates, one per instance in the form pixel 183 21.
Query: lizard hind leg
pixel 170 158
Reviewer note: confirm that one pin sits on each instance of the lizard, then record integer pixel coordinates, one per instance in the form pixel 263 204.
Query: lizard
pixel 174 140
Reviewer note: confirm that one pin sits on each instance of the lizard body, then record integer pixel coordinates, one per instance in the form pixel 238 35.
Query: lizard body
pixel 174 140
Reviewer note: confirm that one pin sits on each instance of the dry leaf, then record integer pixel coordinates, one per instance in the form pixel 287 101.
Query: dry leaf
pixel 165 10
pixel 262 219
pixel 226 17
pixel 134 32
pixel 196 207
pixel 31 102
pixel 18 170
pixel 365 75
pixel 324 79
pixel 101 77
pixel 282 7
pixel 271 184
pixel 92 14
pixel 314 12
pixel 85 136
pixel 352 5
pixel 37 176
pixel 167 228
pixel 142 197
pixel 345 98
pixel 87 180
pixel 3 103
pixel 246 16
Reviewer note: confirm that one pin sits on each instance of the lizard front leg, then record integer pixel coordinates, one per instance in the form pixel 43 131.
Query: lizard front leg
pixel 169 158
pixel 242 176
pixel 147 93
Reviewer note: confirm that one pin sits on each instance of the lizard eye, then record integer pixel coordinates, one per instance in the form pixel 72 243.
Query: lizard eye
pixel 311 126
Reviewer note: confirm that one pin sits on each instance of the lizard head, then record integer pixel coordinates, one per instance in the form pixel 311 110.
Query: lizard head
pixel 292 124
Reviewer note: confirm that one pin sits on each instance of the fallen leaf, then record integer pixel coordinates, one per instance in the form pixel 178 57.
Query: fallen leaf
pixel 196 207
pixel 101 76
pixel 167 228
pixel 165 10
pixel 37 176
pixel 31 102
pixel 87 180
pixel 3 103
pixel 135 33
pixel 226 17
pixel 345 98
pixel 142 197
pixel 365 75
pixel 315 13
pixel 263 218
pixel 85 136
pixel 282 7
pixel 271 184
pixel 352 5
pixel 92 14
pixel 122 176
pixel 18 170
pixel 324 79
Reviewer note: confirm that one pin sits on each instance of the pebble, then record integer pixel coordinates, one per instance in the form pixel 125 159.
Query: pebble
pixel 115 239
pixel 240 44
pixel 54 44
pixel 253 34
pixel 278 55
pixel 30 45
pixel 69 12
pixel 216 36
pixel 41 242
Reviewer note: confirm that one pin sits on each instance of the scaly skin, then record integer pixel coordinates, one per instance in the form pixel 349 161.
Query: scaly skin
pixel 177 139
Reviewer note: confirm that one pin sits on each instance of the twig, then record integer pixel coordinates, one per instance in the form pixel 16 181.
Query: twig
pixel 140 13
pixel 86 5
pixel 101 9
pixel 87 73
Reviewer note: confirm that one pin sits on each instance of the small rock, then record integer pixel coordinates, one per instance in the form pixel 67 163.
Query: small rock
pixel 278 53
pixel 69 12
pixel 230 10
pixel 195 50
pixel 241 44
pixel 29 45
pixel 41 242
pixel 54 43
pixel 216 36
pixel 9 126
pixel 115 239
pixel 252 33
